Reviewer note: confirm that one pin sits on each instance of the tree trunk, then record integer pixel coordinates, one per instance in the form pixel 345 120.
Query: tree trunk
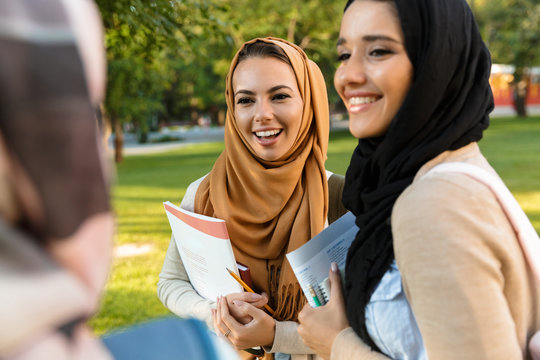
pixel 118 140
pixel 520 98
pixel 520 106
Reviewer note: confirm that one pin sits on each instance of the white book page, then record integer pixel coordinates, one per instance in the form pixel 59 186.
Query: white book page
pixel 311 262
pixel 206 258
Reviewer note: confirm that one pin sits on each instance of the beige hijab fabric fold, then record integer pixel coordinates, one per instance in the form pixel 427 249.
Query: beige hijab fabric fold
pixel 273 207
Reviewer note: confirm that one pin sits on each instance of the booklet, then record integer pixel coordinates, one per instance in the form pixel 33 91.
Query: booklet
pixel 205 249
pixel 311 262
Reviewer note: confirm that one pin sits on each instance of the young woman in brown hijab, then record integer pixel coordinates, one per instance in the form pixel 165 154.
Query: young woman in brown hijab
pixel 271 188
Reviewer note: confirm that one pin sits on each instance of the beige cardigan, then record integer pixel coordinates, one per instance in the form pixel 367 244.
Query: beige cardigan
pixel 472 293
pixel 178 295
pixel 463 270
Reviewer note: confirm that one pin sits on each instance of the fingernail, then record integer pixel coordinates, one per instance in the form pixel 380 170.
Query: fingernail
pixel 334 267
pixel 238 302
pixel 253 296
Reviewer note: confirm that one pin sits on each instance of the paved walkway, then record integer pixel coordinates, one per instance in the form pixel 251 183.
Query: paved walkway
pixel 199 135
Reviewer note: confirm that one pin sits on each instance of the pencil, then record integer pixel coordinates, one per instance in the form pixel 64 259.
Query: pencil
pixel 247 288
pixel 314 296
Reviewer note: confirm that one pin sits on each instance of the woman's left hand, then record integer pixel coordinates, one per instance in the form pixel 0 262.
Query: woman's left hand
pixel 259 331
pixel 319 326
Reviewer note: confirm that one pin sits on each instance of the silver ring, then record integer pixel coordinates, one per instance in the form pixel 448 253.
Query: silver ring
pixel 227 333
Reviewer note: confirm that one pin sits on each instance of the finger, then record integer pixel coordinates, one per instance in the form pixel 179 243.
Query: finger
pixel 226 318
pixel 303 315
pixel 217 318
pixel 249 310
pixel 221 326
pixel 334 276
pixel 248 297
pixel 215 321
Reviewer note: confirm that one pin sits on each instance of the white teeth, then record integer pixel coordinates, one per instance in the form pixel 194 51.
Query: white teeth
pixel 267 133
pixel 362 100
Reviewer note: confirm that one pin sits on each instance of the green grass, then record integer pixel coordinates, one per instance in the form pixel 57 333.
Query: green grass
pixel 143 182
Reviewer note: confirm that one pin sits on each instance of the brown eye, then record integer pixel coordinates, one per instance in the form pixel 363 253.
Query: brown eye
pixel 244 100
pixel 343 57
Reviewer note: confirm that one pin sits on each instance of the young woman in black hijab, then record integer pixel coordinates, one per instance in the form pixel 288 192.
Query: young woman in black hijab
pixel 414 77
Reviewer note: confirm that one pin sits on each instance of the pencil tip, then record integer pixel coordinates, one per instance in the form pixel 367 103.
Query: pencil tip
pixel 228 269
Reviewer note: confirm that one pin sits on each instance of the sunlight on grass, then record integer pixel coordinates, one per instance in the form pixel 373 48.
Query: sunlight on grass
pixel 145 181
pixel 530 203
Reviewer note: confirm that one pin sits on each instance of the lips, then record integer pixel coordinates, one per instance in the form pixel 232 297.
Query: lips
pixel 267 133
pixel 362 100
pixel 360 103
pixel 267 137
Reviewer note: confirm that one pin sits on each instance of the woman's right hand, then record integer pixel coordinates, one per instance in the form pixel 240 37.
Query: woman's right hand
pixel 256 300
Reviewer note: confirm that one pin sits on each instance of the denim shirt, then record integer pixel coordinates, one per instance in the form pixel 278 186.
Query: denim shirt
pixel 390 321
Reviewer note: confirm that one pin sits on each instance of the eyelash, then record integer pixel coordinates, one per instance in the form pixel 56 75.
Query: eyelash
pixel 244 100
pixel 375 53
pixel 380 52
pixel 343 57
pixel 278 97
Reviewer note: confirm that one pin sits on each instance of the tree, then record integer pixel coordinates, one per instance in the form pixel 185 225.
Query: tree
pixel 169 58
pixel 311 24
pixel 511 29
pixel 141 39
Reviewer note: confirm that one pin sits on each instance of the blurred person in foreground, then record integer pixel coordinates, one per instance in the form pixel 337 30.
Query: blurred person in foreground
pixel 56 225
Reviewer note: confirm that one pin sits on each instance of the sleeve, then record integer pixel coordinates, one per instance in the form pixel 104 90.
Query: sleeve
pixel 174 288
pixel 287 340
pixel 348 345
pixel 447 242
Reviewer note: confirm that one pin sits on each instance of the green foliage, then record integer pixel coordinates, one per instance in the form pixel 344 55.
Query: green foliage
pixel 146 41
pixel 511 29
pixel 145 181
pixel 311 24
pixel 168 59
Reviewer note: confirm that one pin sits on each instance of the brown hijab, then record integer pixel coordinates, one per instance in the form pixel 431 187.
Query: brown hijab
pixel 273 207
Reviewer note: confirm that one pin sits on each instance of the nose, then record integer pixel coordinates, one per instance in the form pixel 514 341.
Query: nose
pixel 350 73
pixel 263 111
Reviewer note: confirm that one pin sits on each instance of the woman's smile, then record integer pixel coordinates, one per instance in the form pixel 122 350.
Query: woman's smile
pixel 268 106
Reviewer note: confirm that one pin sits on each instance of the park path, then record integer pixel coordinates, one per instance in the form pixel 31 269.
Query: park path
pixel 200 135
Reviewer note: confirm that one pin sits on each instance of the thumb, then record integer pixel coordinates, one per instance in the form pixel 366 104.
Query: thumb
pixel 334 275
pixel 248 309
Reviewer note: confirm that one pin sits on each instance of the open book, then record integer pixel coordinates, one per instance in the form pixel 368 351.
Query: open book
pixel 311 262
pixel 206 251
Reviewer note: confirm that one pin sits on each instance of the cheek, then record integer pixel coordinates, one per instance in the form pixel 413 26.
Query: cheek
pixel 295 119
pixel 403 81
pixel 337 80
pixel 242 120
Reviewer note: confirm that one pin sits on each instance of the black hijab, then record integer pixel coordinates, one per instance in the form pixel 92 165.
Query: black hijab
pixel 446 108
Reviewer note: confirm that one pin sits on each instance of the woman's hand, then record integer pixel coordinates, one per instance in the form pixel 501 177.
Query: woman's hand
pixel 319 326
pixel 259 331
pixel 256 300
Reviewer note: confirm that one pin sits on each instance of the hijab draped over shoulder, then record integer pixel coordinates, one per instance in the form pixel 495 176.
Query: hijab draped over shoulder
pixel 446 108
pixel 273 207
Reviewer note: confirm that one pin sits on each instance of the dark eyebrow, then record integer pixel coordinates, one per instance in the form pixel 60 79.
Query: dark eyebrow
pixel 273 89
pixel 370 38
pixel 278 87
pixel 244 92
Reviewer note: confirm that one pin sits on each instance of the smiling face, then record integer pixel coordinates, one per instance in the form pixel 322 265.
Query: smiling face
pixel 267 105
pixel 375 72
